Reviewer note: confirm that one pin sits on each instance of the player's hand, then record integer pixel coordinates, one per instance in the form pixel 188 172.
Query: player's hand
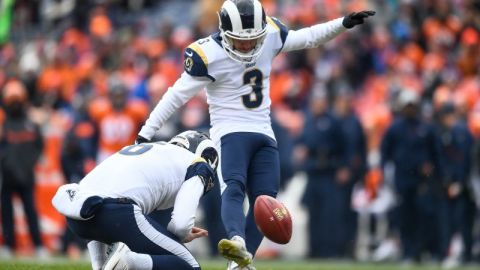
pixel 195 233
pixel 342 176
pixel 140 140
pixel 454 190
pixel 356 18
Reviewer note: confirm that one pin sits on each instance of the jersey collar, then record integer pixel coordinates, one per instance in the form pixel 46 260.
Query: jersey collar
pixel 218 39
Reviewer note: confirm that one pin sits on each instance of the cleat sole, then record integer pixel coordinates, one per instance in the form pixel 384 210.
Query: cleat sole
pixel 231 252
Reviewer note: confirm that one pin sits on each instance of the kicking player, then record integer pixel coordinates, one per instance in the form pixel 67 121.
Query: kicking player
pixel 234 65
pixel 110 205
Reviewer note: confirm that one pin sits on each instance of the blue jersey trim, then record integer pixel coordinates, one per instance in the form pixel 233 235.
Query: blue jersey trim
pixel 195 65
pixel 204 171
pixel 283 30
pixel 211 78
pixel 217 38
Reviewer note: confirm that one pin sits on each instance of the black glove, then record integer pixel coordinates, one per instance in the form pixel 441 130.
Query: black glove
pixel 140 140
pixel 355 18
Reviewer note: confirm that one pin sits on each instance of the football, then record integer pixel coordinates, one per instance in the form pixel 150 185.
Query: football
pixel 273 219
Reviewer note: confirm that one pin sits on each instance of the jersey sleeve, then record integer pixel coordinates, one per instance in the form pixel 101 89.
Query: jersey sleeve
pixel 201 169
pixel 185 207
pixel 199 179
pixel 281 28
pixel 195 62
pixel 314 36
pixel 177 95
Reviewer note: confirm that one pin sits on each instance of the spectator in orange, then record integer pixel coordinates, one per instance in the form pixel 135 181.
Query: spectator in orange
pixel 469 52
pixel 100 24
pixel 117 118
pixel 207 17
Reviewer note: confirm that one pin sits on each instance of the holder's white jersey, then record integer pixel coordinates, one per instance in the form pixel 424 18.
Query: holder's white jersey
pixel 238 94
pixel 150 174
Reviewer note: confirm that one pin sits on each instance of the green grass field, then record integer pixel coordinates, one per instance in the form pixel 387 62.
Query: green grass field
pixel 65 264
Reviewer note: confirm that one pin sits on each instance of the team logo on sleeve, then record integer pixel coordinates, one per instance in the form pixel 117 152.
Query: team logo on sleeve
pixel 71 194
pixel 188 63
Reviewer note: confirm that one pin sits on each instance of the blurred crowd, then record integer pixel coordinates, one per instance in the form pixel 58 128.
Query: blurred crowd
pixel 392 107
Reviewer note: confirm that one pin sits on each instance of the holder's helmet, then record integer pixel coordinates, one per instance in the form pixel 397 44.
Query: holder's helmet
pixel 198 143
pixel 242 20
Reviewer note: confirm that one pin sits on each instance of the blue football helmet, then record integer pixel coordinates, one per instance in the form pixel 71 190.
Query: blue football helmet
pixel 242 20
pixel 198 143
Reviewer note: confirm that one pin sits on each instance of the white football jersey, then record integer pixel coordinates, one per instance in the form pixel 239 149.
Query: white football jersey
pixel 238 94
pixel 150 174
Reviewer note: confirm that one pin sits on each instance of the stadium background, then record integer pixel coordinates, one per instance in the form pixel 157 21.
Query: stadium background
pixel 69 55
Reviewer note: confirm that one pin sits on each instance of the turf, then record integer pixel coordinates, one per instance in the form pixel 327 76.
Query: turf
pixel 65 264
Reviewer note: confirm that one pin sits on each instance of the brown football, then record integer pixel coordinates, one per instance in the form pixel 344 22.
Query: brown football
pixel 273 219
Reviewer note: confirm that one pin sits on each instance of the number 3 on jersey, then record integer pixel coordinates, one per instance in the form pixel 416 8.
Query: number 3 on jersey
pixel 254 78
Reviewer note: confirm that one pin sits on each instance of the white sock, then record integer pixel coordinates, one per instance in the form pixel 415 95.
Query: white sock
pixel 138 261
pixel 98 254
pixel 238 238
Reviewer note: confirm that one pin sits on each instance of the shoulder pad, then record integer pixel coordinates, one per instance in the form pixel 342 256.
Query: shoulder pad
pixel 196 62
pixel 198 159
pixel 279 26
pixel 200 168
